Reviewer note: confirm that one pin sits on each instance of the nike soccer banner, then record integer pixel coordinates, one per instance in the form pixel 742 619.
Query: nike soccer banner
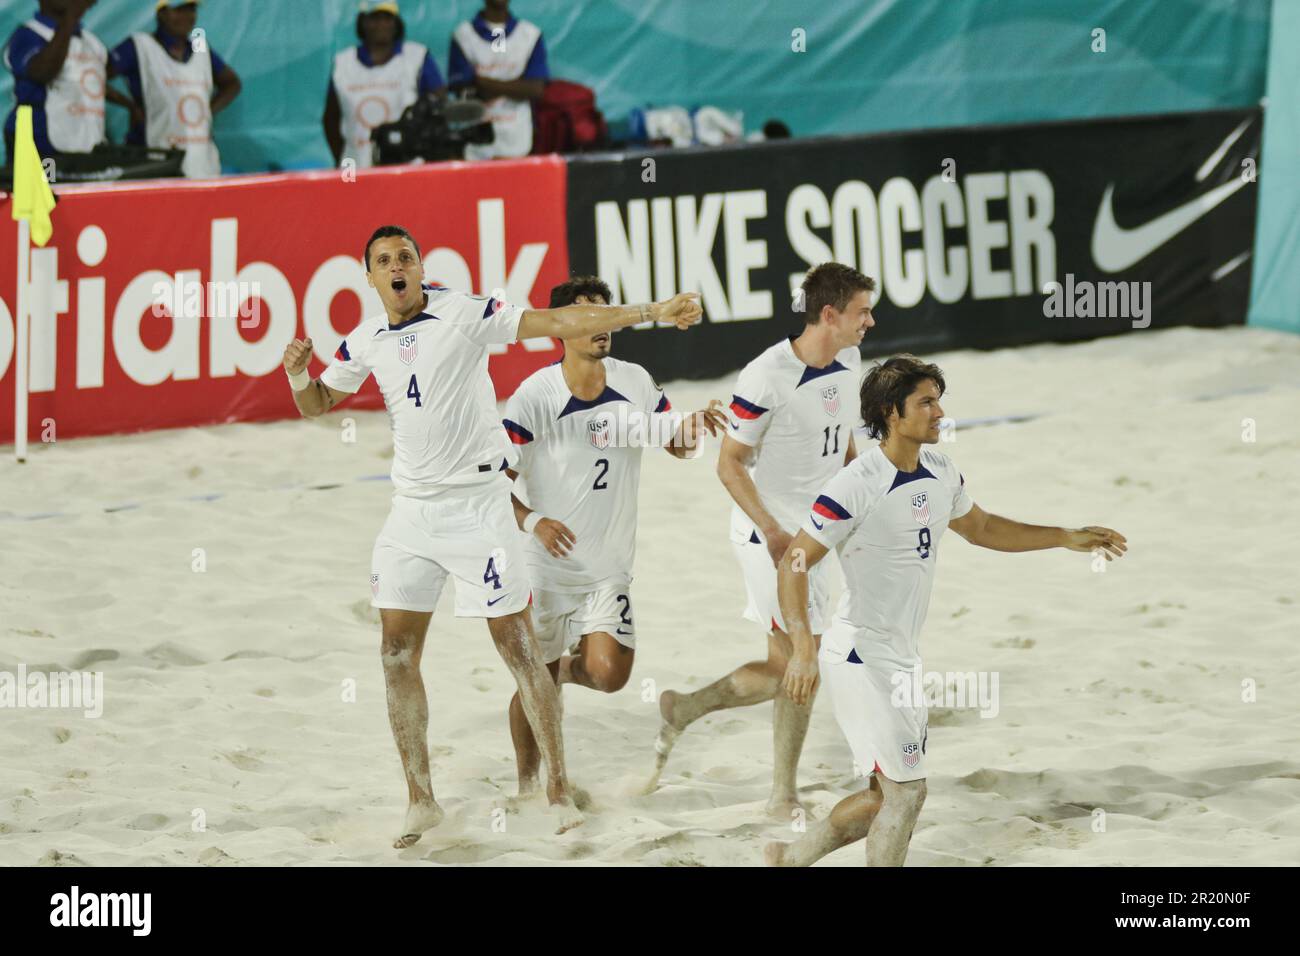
pixel 978 237
pixel 171 303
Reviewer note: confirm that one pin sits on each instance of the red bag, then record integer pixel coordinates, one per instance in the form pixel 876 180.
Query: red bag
pixel 565 119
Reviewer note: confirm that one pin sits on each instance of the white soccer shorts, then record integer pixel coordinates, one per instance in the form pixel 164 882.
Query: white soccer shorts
pixel 760 586
pixel 468 532
pixel 560 620
pixel 884 738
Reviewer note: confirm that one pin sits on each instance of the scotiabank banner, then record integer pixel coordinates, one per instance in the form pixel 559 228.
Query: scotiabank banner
pixel 172 303
pixel 1129 223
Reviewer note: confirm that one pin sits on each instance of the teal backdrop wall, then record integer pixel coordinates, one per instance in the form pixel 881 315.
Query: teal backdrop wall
pixel 1275 278
pixel 869 65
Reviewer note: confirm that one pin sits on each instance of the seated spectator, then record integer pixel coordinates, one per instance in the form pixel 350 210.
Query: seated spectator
pixel 172 79
pixel 504 59
pixel 59 70
pixel 374 82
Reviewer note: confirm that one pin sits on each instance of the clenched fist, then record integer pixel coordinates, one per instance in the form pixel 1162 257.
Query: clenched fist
pixel 683 310
pixel 296 356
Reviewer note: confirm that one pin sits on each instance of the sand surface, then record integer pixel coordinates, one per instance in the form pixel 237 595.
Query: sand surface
pixel 227 736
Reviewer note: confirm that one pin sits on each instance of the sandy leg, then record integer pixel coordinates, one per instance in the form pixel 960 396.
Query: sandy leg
pixel 849 820
pixel 513 635
pixel 408 716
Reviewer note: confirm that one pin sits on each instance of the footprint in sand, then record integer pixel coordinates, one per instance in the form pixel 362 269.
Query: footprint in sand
pixel 55 858
pixel 215 856
pixel 169 653
pixel 148 821
pixel 1020 643
pixel 244 759
pixel 364 613
pixel 62 734
pixel 84 661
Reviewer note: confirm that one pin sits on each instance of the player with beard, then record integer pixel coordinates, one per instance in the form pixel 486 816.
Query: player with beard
pixel 581 426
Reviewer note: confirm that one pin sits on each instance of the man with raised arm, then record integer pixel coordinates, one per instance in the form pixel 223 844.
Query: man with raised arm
pixel 451 511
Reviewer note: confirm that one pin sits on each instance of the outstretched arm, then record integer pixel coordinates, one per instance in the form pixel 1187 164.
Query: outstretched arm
pixel 979 527
pixel 800 679
pixel 577 321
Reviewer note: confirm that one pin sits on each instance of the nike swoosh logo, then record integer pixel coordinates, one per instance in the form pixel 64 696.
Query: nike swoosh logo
pixel 494 600
pixel 817 524
pixel 735 426
pixel 621 631
pixel 1115 248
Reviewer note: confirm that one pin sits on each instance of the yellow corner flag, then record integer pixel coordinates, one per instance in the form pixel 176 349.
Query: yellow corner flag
pixel 32 197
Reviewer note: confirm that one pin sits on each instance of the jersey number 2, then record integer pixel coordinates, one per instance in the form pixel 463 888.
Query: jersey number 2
pixel 599 484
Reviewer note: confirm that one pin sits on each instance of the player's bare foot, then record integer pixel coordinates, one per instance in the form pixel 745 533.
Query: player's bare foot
pixel 529 787
pixel 668 710
pixel 669 730
pixel 783 809
pixel 419 817
pixel 562 802
pixel 774 854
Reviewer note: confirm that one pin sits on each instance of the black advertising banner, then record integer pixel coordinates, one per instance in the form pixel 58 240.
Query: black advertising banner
pixel 979 237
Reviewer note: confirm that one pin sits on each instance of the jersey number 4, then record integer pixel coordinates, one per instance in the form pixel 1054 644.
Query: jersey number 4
pixel 413 391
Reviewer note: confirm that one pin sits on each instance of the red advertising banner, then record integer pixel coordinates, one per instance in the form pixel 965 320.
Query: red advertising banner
pixel 172 302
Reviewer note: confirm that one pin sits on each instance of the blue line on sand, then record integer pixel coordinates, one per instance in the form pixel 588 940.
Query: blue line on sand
pixel 210 496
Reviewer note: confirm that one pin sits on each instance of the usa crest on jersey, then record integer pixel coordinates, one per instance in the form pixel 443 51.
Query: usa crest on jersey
pixel 407 347
pixel 831 400
pixel 911 754
pixel 921 508
pixel 598 432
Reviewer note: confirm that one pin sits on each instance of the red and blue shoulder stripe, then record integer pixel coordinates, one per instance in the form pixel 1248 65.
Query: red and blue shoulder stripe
pixel 664 405
pixel 830 508
pixel 746 410
pixel 342 353
pixel 518 433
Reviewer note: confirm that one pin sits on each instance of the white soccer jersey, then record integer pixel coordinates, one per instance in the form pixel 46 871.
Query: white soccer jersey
pixel 581 463
pixel 800 420
pixel 433 373
pixel 886 525
pixel 371 96
pixel 508 51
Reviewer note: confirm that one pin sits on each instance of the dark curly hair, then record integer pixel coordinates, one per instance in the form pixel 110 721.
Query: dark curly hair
pixel 567 292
